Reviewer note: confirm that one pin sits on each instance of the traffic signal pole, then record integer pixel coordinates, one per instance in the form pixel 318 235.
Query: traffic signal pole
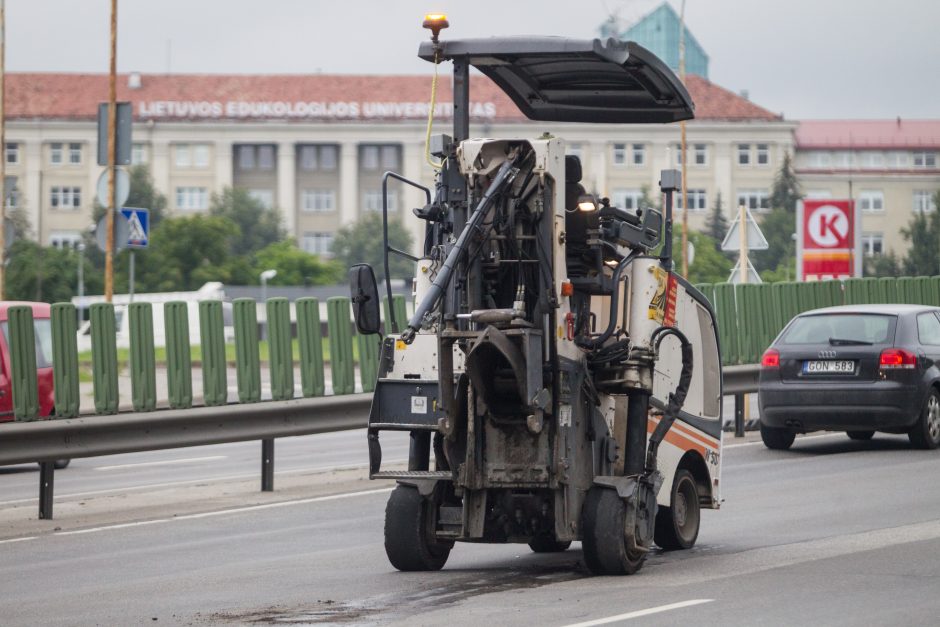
pixel 112 140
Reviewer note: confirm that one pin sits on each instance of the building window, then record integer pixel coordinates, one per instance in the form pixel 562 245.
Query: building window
pixel 842 159
pixel 575 150
pixel 308 157
pixel 65 197
pixel 871 200
pixel 263 196
pixel 699 153
pixel 372 200
pixel 138 154
pixel 65 239
pixel 75 153
pixel 620 154
pixel 627 198
pixel 872 244
pixel 897 159
pixel 13 200
pixel 697 200
pixel 638 154
pixel 872 159
pixel 13 153
pixel 820 159
pixel 763 154
pixel 924 159
pixel 246 157
pixel 923 201
pixel 328 157
pixel 192 198
pixel 184 158
pixel 201 155
pixel 369 158
pixel 754 199
pixel 389 157
pixel 317 243
pixel 744 154
pixel 55 153
pixel 318 200
pixel 265 157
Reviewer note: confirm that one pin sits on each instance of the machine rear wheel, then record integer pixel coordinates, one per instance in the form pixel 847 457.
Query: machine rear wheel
pixel 860 435
pixel 602 521
pixel 776 439
pixel 547 544
pixel 677 525
pixel 409 541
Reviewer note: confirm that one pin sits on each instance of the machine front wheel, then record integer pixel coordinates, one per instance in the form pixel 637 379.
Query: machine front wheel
pixel 409 541
pixel 677 525
pixel 602 522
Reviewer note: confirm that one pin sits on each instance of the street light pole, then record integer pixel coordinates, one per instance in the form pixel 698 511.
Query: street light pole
pixel 685 194
pixel 112 140
pixel 81 282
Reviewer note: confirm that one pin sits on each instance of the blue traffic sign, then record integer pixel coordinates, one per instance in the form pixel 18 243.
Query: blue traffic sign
pixel 138 226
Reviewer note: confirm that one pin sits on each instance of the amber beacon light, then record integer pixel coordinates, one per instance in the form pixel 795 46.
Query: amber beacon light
pixel 435 22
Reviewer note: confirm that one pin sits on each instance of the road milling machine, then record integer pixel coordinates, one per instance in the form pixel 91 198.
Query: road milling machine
pixel 559 381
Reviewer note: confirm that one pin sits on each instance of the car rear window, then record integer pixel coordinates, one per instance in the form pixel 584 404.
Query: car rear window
pixel 820 328
pixel 43 331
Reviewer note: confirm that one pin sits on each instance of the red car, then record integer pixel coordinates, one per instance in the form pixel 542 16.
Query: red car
pixel 43 328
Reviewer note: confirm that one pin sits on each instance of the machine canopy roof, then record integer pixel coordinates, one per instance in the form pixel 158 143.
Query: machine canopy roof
pixel 575 80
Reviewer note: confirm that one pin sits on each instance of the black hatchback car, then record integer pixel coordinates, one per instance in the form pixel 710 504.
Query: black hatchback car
pixel 858 369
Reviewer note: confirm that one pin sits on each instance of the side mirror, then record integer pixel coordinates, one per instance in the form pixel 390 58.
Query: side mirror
pixel 365 298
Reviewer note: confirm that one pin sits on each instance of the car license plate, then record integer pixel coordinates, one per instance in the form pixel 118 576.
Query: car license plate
pixel 844 366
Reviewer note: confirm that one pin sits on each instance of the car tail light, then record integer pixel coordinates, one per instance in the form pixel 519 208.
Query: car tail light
pixel 893 358
pixel 771 358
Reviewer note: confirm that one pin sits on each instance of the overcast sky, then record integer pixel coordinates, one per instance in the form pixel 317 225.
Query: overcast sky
pixel 803 58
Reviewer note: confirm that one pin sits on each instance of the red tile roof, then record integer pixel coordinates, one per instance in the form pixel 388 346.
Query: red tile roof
pixel 873 134
pixel 320 97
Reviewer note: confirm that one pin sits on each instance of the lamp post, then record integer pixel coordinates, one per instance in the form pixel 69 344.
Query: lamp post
pixel 81 282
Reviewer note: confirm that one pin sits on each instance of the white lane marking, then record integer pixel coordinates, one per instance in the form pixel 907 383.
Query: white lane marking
pixel 164 462
pixel 173 484
pixel 641 613
pixel 798 439
pixel 222 512
pixel 12 540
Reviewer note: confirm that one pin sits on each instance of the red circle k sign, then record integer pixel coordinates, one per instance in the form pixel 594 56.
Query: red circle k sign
pixel 827 224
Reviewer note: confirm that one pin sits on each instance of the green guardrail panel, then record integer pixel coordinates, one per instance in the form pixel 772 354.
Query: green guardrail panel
pixel 339 316
pixel 926 287
pixel 67 391
pixel 726 312
pixel 212 338
pixel 857 292
pixel 142 360
pixel 889 289
pixel 906 290
pixel 369 346
pixel 280 355
pixel 22 342
pixel 310 343
pixel 401 315
pixel 749 316
pixel 104 364
pixel 179 367
pixel 247 356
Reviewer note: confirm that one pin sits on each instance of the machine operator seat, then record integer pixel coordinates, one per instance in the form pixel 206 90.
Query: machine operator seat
pixel 577 222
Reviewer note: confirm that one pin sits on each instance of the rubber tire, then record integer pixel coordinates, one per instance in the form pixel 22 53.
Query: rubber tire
pixel 776 439
pixel 926 433
pixel 547 544
pixel 677 525
pixel 860 435
pixel 408 542
pixel 602 523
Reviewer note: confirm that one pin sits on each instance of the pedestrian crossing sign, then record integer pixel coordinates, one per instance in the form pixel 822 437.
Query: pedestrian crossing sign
pixel 138 226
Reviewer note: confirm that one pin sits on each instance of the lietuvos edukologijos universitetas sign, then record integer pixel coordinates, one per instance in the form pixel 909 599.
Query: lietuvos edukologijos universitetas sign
pixel 235 109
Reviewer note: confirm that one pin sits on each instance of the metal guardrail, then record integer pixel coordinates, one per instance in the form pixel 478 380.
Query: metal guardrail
pixel 46 440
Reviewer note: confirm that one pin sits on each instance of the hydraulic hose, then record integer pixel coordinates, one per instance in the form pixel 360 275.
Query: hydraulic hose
pixel 676 398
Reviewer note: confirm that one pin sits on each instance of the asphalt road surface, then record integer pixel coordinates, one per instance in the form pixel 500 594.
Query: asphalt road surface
pixel 832 532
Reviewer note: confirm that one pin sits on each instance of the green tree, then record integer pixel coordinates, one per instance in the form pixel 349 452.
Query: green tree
pixel 778 228
pixel 361 242
pixel 708 264
pixel 785 192
pixel 923 233
pixel 296 267
pixel 258 226
pixel 41 273
pixel 143 194
pixel 883 266
pixel 717 225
